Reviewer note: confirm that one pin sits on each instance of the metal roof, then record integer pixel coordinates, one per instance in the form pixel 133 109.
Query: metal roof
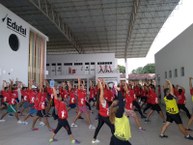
pixel 124 27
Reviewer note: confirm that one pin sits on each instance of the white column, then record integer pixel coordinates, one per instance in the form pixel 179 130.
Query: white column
pixel 126 70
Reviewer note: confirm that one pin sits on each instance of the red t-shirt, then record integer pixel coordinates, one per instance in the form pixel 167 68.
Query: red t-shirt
pixel 31 96
pixel 6 96
pixel 104 109
pixel 62 111
pixel 137 91
pixel 92 92
pixel 108 95
pixel 72 97
pixel 153 97
pixel 13 96
pixel 191 92
pixel 24 95
pixel 129 100
pixel 41 101
pixel 81 98
pixel 63 93
pixel 181 98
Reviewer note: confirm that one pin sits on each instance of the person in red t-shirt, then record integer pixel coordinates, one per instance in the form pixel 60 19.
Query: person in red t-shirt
pixel 103 114
pixel 191 93
pixel 181 101
pixel 92 94
pixel 40 105
pixel 82 106
pixel 129 96
pixel 62 119
pixel 10 98
pixel 72 101
pixel 24 100
pixel 155 106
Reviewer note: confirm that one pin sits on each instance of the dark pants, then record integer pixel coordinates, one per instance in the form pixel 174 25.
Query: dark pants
pixel 136 104
pixel 63 123
pixel 88 105
pixel 116 141
pixel 101 121
pixel 147 107
pixel 183 107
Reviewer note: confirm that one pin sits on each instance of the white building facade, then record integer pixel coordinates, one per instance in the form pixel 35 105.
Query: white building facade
pixel 174 62
pixel 16 48
pixel 84 66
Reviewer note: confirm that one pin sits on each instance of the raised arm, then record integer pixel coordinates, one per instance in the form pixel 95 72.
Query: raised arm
pixel 54 93
pixel 79 83
pixel 190 82
pixel 101 97
pixel 170 87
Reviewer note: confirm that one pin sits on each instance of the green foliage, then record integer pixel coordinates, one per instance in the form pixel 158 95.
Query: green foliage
pixel 149 68
pixel 121 69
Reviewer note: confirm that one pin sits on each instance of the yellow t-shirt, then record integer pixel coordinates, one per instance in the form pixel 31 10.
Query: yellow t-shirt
pixel 122 128
pixel 171 106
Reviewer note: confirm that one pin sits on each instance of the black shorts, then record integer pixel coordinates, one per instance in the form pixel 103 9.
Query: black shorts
pixel 156 107
pixel 42 113
pixel 72 106
pixel 92 99
pixel 173 117
pixel 63 123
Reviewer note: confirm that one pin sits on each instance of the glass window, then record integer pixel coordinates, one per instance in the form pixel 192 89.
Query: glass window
pixel 166 75
pixel 170 74
pixel 182 71
pixel 176 73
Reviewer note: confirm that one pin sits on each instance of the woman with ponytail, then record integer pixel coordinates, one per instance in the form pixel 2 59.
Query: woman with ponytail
pixel 122 133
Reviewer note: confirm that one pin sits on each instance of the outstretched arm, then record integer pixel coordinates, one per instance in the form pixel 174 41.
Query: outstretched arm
pixel 190 82
pixel 170 87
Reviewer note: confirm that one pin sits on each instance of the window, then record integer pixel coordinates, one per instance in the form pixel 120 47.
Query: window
pixel 170 74
pixel 79 63
pixel 86 63
pixel 176 73
pixel 92 63
pixel 53 64
pixel 59 64
pixel 68 64
pixel 182 71
pixel 166 75
pixel 47 64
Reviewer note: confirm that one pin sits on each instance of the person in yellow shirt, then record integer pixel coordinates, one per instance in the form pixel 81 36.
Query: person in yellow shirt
pixel 172 112
pixel 122 132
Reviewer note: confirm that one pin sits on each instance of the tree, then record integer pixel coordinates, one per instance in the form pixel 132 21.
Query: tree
pixel 149 68
pixel 121 69
pixel 139 70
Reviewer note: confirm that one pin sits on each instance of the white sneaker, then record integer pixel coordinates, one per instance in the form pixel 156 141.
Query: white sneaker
pixel 25 123
pixel 74 125
pixel 91 126
pixel 42 123
pixel 95 141
pixel 2 120
pixel 19 122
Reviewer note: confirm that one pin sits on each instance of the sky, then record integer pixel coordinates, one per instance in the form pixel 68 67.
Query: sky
pixel 177 22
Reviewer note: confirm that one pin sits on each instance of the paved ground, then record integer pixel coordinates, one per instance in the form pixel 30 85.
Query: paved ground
pixel 12 133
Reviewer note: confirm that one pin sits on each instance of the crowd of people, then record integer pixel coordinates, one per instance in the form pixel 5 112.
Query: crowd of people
pixel 115 107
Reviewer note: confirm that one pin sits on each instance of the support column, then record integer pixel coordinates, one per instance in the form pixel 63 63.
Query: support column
pixel 126 71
